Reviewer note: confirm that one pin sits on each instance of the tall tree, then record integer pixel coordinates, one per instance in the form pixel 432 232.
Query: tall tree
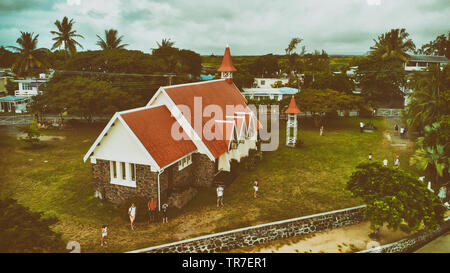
pixel 111 41
pixel 430 98
pixel 393 44
pixel 168 54
pixel 292 56
pixel 30 56
pixel 66 36
pixel 440 46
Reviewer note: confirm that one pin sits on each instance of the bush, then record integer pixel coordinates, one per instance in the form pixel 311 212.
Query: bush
pixel 365 112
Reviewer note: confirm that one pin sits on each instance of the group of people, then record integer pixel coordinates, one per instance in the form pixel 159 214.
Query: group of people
pixel 403 131
pixel 220 190
pixel 385 161
pixel 152 214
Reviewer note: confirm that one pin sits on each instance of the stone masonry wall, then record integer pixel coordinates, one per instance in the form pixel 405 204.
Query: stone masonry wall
pixel 204 170
pixel 146 183
pixel 250 236
pixel 413 242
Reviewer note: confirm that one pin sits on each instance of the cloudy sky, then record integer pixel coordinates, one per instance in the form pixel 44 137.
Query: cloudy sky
pixel 250 27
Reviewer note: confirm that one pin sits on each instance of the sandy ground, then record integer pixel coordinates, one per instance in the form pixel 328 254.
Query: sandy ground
pixel 440 245
pixel 347 239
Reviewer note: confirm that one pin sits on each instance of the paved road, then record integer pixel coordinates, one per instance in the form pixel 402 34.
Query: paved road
pixel 26 119
pixel 439 245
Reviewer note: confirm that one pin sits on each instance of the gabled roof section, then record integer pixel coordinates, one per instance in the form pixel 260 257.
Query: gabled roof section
pixel 227 63
pixel 292 108
pixel 226 98
pixel 153 127
pixel 226 131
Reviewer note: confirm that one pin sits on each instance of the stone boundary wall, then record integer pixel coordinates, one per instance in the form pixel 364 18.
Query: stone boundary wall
pixel 253 235
pixel 412 242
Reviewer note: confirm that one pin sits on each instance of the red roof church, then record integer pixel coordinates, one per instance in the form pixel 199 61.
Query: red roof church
pixel 179 141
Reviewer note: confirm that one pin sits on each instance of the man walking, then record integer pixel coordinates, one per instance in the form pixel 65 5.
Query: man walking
pixel 219 195
pixel 361 126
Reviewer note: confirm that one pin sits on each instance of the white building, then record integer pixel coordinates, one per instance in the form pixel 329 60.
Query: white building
pixel 263 88
pixel 421 62
pixel 32 86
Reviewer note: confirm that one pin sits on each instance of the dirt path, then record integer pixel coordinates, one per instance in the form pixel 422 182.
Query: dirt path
pixel 341 240
pixel 394 137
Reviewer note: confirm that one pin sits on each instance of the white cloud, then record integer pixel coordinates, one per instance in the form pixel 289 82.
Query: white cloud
pixel 250 27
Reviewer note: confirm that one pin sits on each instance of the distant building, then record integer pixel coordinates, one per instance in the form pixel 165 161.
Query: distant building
pixel 14 104
pixel 32 86
pixel 421 62
pixel 262 88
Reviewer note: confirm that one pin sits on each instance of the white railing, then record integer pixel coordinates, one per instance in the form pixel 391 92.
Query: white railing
pixel 26 93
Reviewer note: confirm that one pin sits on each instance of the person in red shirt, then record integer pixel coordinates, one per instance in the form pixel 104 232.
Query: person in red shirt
pixel 151 210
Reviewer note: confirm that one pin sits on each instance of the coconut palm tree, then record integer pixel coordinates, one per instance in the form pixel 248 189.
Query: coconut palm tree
pixel 431 159
pixel 65 35
pixel 111 40
pixel 394 43
pixel 427 101
pixel 30 56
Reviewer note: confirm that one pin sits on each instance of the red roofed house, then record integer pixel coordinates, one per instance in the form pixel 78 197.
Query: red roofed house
pixel 179 141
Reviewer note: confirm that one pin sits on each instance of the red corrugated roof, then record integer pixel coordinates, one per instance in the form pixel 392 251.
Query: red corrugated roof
pixel 292 109
pixel 217 93
pixel 239 122
pixel 153 128
pixel 227 63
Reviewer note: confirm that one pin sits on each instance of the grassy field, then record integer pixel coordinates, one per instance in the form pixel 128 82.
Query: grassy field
pixel 293 182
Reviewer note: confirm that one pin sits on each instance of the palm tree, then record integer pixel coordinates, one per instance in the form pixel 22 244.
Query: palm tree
pixel 65 35
pixel 432 159
pixel 111 40
pixel 394 43
pixel 165 43
pixel 30 56
pixel 426 102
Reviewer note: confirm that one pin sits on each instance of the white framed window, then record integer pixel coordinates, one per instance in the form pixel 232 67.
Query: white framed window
pixel 123 173
pixel 183 163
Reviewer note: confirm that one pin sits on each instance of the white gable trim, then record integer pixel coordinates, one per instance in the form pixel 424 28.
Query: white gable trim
pixel 233 131
pixel 139 143
pixel 99 138
pixel 154 96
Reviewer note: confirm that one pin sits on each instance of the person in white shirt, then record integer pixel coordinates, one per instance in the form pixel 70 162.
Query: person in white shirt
pixel 385 162
pixel 219 195
pixel 370 156
pixel 104 235
pixel 397 162
pixel 132 214
pixel 361 126
pixel 256 188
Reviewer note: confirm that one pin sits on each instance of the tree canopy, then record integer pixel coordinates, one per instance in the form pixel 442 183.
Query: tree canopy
pixel 395 197
pixel 111 41
pixel 66 35
pixel 30 57
pixel 26 231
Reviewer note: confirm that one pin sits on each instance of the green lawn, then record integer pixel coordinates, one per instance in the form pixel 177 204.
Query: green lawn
pixel 293 182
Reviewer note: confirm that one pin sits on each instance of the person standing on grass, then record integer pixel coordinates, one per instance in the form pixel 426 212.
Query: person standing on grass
pixel 396 129
pixel 151 210
pixel 402 131
pixel 219 195
pixel 397 162
pixel 104 235
pixel 164 211
pixel 370 156
pixel 442 193
pixel 321 130
pixel 361 126
pixel 385 162
pixel 255 188
pixel 132 214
